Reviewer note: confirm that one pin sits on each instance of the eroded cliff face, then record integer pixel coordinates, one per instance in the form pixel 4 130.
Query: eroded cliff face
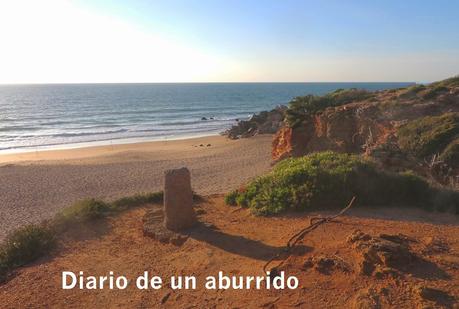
pixel 352 128
pixel 368 126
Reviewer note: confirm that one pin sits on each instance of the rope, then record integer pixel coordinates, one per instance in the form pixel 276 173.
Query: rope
pixel 314 223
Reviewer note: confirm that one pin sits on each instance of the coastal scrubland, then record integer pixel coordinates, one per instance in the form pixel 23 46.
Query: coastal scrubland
pixel 395 150
pixel 394 147
pixel 327 179
pixel 33 241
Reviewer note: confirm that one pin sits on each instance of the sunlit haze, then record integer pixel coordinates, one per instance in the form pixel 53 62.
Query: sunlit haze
pixel 60 41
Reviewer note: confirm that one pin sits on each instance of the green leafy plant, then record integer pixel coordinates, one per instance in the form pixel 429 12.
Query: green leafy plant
pixel 137 200
pixel 85 210
pixel 302 107
pixel 24 246
pixel 230 198
pixel 31 242
pixel 429 135
pixel 329 180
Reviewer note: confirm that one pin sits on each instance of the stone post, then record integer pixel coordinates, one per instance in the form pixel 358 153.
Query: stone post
pixel 178 200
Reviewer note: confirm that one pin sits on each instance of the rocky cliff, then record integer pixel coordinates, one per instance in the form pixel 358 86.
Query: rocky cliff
pixel 378 124
pixel 262 123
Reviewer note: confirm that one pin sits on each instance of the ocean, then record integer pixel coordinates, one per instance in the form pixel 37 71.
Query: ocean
pixel 35 117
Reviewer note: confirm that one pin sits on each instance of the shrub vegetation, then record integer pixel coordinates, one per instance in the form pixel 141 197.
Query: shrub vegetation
pixel 302 107
pixel 329 180
pixel 24 246
pixel 31 242
pixel 431 135
pixel 137 200
pixel 433 90
pixel 451 154
pixel 449 82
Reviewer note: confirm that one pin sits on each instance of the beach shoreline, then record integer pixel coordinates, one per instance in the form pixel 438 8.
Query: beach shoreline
pixel 99 143
pixel 35 186
pixel 93 149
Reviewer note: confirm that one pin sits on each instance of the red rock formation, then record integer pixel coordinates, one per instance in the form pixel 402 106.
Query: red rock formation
pixel 352 128
pixel 367 126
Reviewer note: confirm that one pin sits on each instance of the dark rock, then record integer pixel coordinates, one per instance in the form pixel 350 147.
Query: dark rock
pixel 261 123
pixel 203 118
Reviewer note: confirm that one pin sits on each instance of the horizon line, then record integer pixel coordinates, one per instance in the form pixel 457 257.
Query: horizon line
pixel 232 82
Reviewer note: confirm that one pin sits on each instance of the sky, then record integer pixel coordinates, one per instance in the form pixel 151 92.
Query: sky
pixel 97 41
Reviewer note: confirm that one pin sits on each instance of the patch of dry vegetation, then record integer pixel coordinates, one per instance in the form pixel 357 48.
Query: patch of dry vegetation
pixel 32 242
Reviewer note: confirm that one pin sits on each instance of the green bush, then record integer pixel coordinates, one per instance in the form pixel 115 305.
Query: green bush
pixel 24 246
pixel 329 180
pixel 416 88
pixel 34 241
pixel 90 209
pixel 230 198
pixel 86 210
pixel 429 135
pixel 449 82
pixel 137 200
pixel 411 92
pixel 433 92
pixel 302 107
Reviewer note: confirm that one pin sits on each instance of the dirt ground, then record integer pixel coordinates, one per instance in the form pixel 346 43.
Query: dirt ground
pixel 237 243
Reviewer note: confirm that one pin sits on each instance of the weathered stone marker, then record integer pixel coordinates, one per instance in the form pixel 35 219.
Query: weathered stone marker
pixel 178 200
pixel 166 224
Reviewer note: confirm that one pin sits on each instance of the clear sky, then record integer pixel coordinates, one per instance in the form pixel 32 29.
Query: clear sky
pixel 61 41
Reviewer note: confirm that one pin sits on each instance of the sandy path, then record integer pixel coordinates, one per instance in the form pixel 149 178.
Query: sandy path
pixel 33 186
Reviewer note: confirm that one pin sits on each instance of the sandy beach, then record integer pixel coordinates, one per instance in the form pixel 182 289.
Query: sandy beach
pixel 35 185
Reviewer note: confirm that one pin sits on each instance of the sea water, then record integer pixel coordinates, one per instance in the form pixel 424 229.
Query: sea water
pixel 34 117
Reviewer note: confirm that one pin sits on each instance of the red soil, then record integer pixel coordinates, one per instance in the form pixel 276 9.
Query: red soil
pixel 240 244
